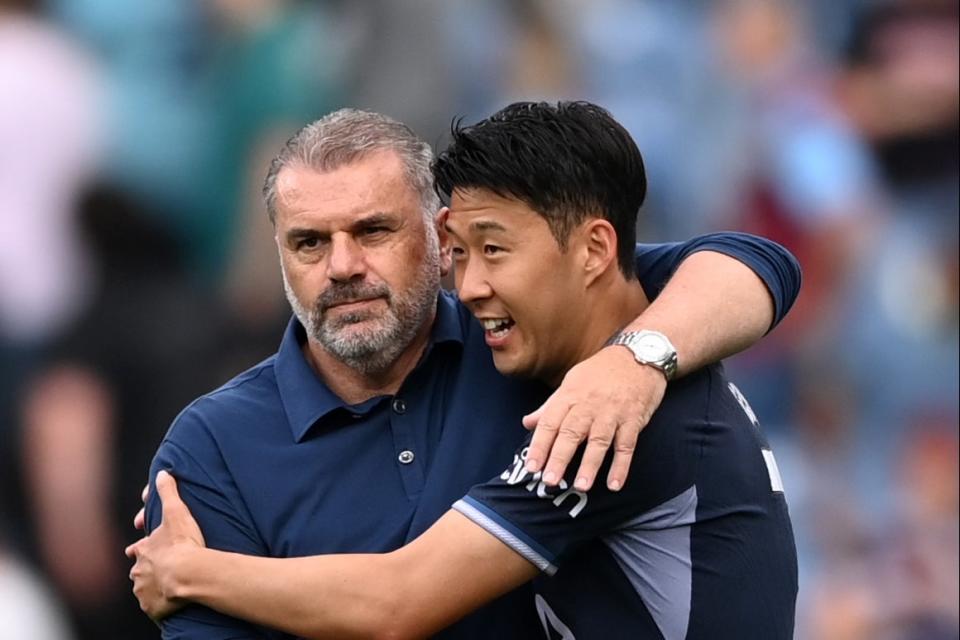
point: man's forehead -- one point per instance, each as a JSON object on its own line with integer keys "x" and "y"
{"x": 377, "y": 179}
{"x": 481, "y": 210}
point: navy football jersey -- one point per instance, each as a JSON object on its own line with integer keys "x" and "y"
{"x": 698, "y": 544}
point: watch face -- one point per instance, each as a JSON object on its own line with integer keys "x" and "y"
{"x": 651, "y": 348}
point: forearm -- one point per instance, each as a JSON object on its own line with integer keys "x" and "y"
{"x": 413, "y": 592}
{"x": 712, "y": 307}
{"x": 334, "y": 596}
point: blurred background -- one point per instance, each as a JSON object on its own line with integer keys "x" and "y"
{"x": 137, "y": 268}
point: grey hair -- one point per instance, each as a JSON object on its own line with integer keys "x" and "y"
{"x": 348, "y": 135}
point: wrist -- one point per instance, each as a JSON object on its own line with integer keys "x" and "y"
{"x": 186, "y": 572}
{"x": 650, "y": 348}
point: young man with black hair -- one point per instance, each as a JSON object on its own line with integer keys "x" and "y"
{"x": 698, "y": 544}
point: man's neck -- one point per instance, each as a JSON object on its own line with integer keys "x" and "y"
{"x": 612, "y": 304}
{"x": 353, "y": 386}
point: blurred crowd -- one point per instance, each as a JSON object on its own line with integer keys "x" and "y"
{"x": 137, "y": 268}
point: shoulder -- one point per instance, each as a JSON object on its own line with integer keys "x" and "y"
{"x": 240, "y": 400}
{"x": 689, "y": 397}
{"x": 702, "y": 404}
{"x": 704, "y": 409}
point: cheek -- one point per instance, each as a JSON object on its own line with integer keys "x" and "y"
{"x": 397, "y": 266}
{"x": 307, "y": 281}
{"x": 458, "y": 275}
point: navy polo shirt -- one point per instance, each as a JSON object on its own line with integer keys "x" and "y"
{"x": 274, "y": 464}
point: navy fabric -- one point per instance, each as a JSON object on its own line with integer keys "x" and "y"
{"x": 274, "y": 464}
{"x": 698, "y": 544}
{"x": 776, "y": 266}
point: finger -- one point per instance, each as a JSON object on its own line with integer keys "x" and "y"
{"x": 571, "y": 433}
{"x": 552, "y": 414}
{"x": 530, "y": 420}
{"x": 145, "y": 493}
{"x": 598, "y": 443}
{"x": 140, "y": 520}
{"x": 624, "y": 445}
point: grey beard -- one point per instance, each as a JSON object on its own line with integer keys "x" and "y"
{"x": 375, "y": 349}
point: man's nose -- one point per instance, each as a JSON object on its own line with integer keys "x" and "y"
{"x": 472, "y": 282}
{"x": 347, "y": 260}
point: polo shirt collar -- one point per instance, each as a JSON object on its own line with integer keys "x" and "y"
{"x": 306, "y": 397}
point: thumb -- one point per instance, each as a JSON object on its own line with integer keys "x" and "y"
{"x": 531, "y": 419}
{"x": 169, "y": 496}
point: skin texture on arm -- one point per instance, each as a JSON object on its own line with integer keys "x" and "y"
{"x": 450, "y": 570}
{"x": 712, "y": 307}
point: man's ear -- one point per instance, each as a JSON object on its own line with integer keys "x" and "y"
{"x": 446, "y": 248}
{"x": 600, "y": 248}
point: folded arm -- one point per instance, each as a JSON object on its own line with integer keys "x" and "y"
{"x": 450, "y": 570}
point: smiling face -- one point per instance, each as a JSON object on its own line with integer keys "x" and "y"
{"x": 512, "y": 274}
{"x": 361, "y": 266}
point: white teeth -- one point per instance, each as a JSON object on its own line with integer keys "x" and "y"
{"x": 499, "y": 327}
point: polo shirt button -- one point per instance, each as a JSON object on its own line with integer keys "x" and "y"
{"x": 399, "y": 405}
{"x": 405, "y": 457}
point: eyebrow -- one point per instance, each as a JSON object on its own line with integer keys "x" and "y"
{"x": 376, "y": 218}
{"x": 486, "y": 225}
{"x": 479, "y": 226}
{"x": 298, "y": 233}
{"x": 373, "y": 219}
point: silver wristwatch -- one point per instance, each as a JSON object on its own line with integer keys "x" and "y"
{"x": 650, "y": 347}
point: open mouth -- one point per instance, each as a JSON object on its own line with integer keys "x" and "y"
{"x": 497, "y": 327}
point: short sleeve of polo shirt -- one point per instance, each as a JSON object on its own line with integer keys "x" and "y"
{"x": 543, "y": 524}
{"x": 773, "y": 264}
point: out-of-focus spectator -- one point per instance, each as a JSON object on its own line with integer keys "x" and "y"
{"x": 650, "y": 63}
{"x": 155, "y": 56}
{"x": 903, "y": 90}
{"x": 900, "y": 583}
{"x": 93, "y": 415}
{"x": 50, "y": 124}
{"x": 808, "y": 181}
{"x": 902, "y": 87}
{"x": 194, "y": 87}
{"x": 274, "y": 67}
{"x": 395, "y": 61}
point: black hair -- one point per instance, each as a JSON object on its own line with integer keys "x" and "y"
{"x": 567, "y": 162}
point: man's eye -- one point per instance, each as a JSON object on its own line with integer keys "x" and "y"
{"x": 459, "y": 252}
{"x": 373, "y": 231}
{"x": 491, "y": 249}
{"x": 308, "y": 243}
